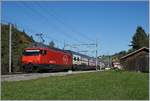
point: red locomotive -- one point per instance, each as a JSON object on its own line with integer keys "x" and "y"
{"x": 41, "y": 57}
{"x": 36, "y": 58}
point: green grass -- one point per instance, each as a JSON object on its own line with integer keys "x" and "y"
{"x": 109, "y": 85}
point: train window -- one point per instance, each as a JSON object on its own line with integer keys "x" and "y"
{"x": 31, "y": 52}
{"x": 74, "y": 59}
{"x": 78, "y": 59}
{"x": 43, "y": 52}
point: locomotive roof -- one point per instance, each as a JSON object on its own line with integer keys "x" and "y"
{"x": 40, "y": 45}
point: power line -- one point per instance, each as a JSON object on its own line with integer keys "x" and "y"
{"x": 44, "y": 18}
{"x": 29, "y": 30}
{"x": 68, "y": 26}
{"x": 18, "y": 26}
{"x": 91, "y": 44}
{"x": 47, "y": 20}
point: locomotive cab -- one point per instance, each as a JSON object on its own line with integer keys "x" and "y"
{"x": 31, "y": 58}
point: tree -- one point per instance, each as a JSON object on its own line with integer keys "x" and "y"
{"x": 130, "y": 50}
{"x": 17, "y": 48}
{"x": 140, "y": 39}
{"x": 52, "y": 44}
{"x": 31, "y": 37}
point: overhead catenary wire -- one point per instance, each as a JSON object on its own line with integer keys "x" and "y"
{"x": 45, "y": 18}
{"x": 20, "y": 27}
{"x": 32, "y": 32}
{"x": 68, "y": 26}
{"x": 33, "y": 11}
{"x": 58, "y": 18}
{"x": 29, "y": 31}
{"x": 31, "y": 8}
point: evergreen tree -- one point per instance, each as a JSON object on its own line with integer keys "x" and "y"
{"x": 140, "y": 39}
{"x": 31, "y": 37}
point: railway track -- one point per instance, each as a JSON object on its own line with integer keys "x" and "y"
{"x": 29, "y": 76}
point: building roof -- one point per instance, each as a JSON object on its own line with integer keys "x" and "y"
{"x": 135, "y": 52}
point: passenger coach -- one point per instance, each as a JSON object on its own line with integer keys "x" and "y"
{"x": 82, "y": 62}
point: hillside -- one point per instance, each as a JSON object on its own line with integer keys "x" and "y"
{"x": 20, "y": 40}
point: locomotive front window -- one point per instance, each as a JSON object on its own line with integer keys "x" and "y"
{"x": 31, "y": 52}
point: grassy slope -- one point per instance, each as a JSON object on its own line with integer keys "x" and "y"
{"x": 20, "y": 40}
{"x": 100, "y": 85}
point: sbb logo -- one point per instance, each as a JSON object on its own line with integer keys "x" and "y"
{"x": 65, "y": 59}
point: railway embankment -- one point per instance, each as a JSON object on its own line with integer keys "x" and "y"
{"x": 29, "y": 76}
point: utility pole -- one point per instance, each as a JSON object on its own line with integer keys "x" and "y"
{"x": 96, "y": 52}
{"x": 64, "y": 45}
{"x": 10, "y": 33}
{"x": 108, "y": 60}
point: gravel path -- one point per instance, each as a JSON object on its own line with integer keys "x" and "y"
{"x": 18, "y": 77}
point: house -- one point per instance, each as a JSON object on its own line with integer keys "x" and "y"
{"x": 136, "y": 61}
{"x": 116, "y": 64}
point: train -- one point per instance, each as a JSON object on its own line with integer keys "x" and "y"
{"x": 38, "y": 57}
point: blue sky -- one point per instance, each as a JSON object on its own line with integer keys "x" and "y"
{"x": 112, "y": 23}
